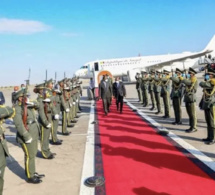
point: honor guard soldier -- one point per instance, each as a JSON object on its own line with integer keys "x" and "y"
{"x": 138, "y": 86}
{"x": 208, "y": 105}
{"x": 27, "y": 134}
{"x": 157, "y": 91}
{"x": 191, "y": 84}
{"x": 64, "y": 107}
{"x": 165, "y": 88}
{"x": 144, "y": 88}
{"x": 151, "y": 88}
{"x": 5, "y": 112}
{"x": 65, "y": 114}
{"x": 45, "y": 121}
{"x": 176, "y": 95}
{"x": 72, "y": 102}
{"x": 54, "y": 111}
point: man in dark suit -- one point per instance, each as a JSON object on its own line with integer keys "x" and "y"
{"x": 119, "y": 93}
{"x": 105, "y": 91}
{"x": 2, "y": 100}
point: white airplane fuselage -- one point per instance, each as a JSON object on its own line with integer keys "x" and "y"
{"x": 130, "y": 66}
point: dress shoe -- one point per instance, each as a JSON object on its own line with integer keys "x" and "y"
{"x": 106, "y": 113}
{"x": 79, "y": 112}
{"x": 57, "y": 143}
{"x": 158, "y": 112}
{"x": 73, "y": 121}
{"x": 174, "y": 123}
{"x": 152, "y": 108}
{"x": 71, "y": 125}
{"x": 67, "y": 133}
{"x": 51, "y": 156}
{"x": 191, "y": 130}
{"x": 34, "y": 180}
{"x": 166, "y": 116}
{"x": 77, "y": 116}
{"x": 179, "y": 123}
{"x": 205, "y": 139}
{"x": 38, "y": 175}
{"x": 210, "y": 142}
{"x": 120, "y": 111}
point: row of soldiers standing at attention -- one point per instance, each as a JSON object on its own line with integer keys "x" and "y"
{"x": 184, "y": 86}
{"x": 32, "y": 126}
{"x": 158, "y": 84}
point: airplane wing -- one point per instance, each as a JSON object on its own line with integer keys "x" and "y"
{"x": 180, "y": 59}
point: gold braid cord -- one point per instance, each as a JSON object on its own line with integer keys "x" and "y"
{"x": 213, "y": 90}
{"x": 193, "y": 80}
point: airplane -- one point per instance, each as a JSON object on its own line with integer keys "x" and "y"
{"x": 128, "y": 67}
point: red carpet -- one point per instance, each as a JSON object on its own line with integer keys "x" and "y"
{"x": 136, "y": 160}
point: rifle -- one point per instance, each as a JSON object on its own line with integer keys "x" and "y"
{"x": 185, "y": 72}
{"x": 24, "y": 102}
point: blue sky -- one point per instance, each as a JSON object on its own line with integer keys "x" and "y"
{"x": 62, "y": 35}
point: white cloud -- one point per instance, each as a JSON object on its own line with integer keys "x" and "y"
{"x": 18, "y": 26}
{"x": 70, "y": 34}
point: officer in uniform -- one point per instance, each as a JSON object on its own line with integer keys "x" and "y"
{"x": 54, "y": 112}
{"x": 27, "y": 134}
{"x": 176, "y": 95}
{"x": 138, "y": 86}
{"x": 151, "y": 88}
{"x": 45, "y": 120}
{"x": 144, "y": 88}
{"x": 64, "y": 106}
{"x": 157, "y": 91}
{"x": 191, "y": 84}
{"x": 165, "y": 88}
{"x": 5, "y": 112}
{"x": 208, "y": 105}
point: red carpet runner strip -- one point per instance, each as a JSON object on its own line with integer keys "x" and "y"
{"x": 136, "y": 160}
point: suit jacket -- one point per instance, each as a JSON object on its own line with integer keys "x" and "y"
{"x": 2, "y": 100}
{"x": 119, "y": 90}
{"x": 105, "y": 90}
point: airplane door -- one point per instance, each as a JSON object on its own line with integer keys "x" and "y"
{"x": 96, "y": 66}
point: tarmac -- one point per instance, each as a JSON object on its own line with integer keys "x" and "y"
{"x": 64, "y": 173}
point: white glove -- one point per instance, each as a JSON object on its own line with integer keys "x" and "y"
{"x": 67, "y": 110}
{"x": 49, "y": 125}
{"x": 28, "y": 141}
{"x": 56, "y": 116}
{"x": 77, "y": 101}
{"x": 73, "y": 103}
{"x": 70, "y": 104}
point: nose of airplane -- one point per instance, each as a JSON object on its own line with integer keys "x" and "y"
{"x": 77, "y": 73}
